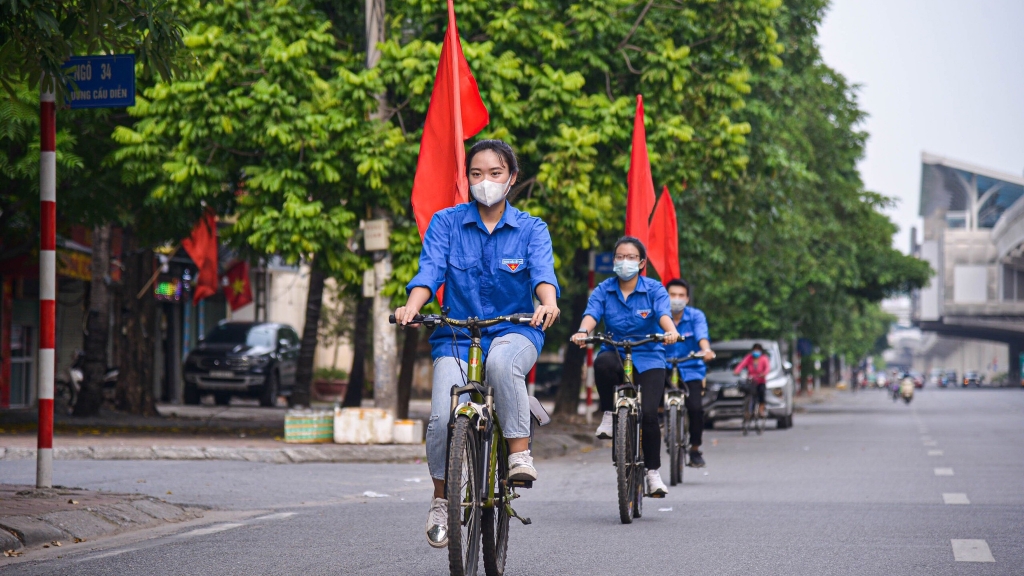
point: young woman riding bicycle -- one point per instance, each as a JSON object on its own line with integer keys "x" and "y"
{"x": 492, "y": 260}
{"x": 757, "y": 366}
{"x": 632, "y": 306}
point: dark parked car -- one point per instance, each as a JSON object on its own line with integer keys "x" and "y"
{"x": 723, "y": 398}
{"x": 255, "y": 359}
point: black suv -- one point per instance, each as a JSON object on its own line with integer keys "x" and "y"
{"x": 255, "y": 359}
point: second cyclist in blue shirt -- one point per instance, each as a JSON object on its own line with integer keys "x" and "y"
{"x": 632, "y": 306}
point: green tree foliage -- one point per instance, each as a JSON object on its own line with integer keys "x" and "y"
{"x": 38, "y": 36}
{"x": 796, "y": 245}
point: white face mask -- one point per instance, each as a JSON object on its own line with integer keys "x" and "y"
{"x": 489, "y": 192}
{"x": 678, "y": 304}
{"x": 626, "y": 269}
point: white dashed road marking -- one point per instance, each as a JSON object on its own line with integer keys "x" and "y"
{"x": 931, "y": 443}
{"x": 935, "y": 452}
{"x": 278, "y": 516}
{"x": 210, "y": 530}
{"x": 943, "y": 471}
{"x": 971, "y": 551}
{"x": 955, "y": 498}
{"x": 926, "y": 438}
{"x": 106, "y": 554}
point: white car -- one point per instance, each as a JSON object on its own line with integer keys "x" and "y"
{"x": 724, "y": 397}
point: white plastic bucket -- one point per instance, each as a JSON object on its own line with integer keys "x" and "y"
{"x": 408, "y": 431}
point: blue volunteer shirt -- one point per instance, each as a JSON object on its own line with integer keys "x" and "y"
{"x": 632, "y": 318}
{"x": 692, "y": 327}
{"x": 486, "y": 274}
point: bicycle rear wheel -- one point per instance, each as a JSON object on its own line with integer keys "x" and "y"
{"x": 496, "y": 518}
{"x": 463, "y": 492}
{"x": 761, "y": 419}
{"x": 625, "y": 454}
{"x": 674, "y": 439}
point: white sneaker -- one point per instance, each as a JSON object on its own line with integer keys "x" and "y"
{"x": 437, "y": 523}
{"x": 520, "y": 466}
{"x": 655, "y": 487}
{"x": 604, "y": 431}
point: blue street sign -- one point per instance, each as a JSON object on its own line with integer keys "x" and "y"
{"x": 101, "y": 81}
{"x": 604, "y": 263}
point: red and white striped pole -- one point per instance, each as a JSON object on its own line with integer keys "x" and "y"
{"x": 47, "y": 280}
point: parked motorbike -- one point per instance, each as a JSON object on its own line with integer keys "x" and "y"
{"x": 69, "y": 385}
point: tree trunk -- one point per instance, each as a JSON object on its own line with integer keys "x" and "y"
{"x": 138, "y": 331}
{"x": 304, "y": 370}
{"x": 357, "y": 375}
{"x": 567, "y": 402}
{"x": 409, "y": 346}
{"x": 90, "y": 398}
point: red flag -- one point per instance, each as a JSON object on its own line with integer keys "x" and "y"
{"x": 663, "y": 250}
{"x": 202, "y": 248}
{"x": 238, "y": 289}
{"x": 456, "y": 113}
{"x": 640, "y": 196}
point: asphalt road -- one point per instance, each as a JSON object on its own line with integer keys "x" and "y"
{"x": 856, "y": 487}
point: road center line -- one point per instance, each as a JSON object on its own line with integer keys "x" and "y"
{"x": 943, "y": 471}
{"x": 106, "y": 554}
{"x": 210, "y": 530}
{"x": 955, "y": 498}
{"x": 971, "y": 551}
{"x": 935, "y": 452}
{"x": 931, "y": 443}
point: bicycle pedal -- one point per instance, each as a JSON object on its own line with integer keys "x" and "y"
{"x": 521, "y": 483}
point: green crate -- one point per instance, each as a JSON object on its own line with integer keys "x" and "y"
{"x": 308, "y": 426}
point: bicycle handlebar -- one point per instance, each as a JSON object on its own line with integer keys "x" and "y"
{"x": 607, "y": 339}
{"x": 690, "y": 356}
{"x": 433, "y": 320}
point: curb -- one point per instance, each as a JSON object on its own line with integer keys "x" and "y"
{"x": 131, "y": 512}
{"x": 292, "y": 454}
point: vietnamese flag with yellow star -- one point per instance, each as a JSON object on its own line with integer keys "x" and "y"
{"x": 237, "y": 289}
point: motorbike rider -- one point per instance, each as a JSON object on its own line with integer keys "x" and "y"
{"x": 692, "y": 325}
{"x": 757, "y": 366}
{"x": 492, "y": 260}
{"x": 632, "y": 306}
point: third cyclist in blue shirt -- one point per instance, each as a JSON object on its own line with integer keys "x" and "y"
{"x": 692, "y": 326}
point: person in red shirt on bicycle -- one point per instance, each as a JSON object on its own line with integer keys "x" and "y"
{"x": 757, "y": 366}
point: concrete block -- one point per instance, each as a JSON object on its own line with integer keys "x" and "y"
{"x": 159, "y": 510}
{"x": 30, "y": 531}
{"x": 19, "y": 453}
{"x": 303, "y": 455}
{"x": 80, "y": 523}
{"x": 73, "y": 453}
{"x": 9, "y": 541}
{"x": 124, "y": 514}
{"x": 219, "y": 453}
{"x": 179, "y": 453}
{"x": 273, "y": 456}
{"x": 122, "y": 453}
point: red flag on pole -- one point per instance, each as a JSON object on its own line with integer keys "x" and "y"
{"x": 238, "y": 288}
{"x": 456, "y": 113}
{"x": 663, "y": 250}
{"x": 640, "y": 196}
{"x": 202, "y": 248}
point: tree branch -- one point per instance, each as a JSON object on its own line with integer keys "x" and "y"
{"x": 639, "y": 19}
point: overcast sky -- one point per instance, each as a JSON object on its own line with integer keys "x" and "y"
{"x": 943, "y": 76}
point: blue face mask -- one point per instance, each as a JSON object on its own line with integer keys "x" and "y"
{"x": 756, "y": 354}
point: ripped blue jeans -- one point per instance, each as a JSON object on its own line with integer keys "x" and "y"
{"x": 508, "y": 362}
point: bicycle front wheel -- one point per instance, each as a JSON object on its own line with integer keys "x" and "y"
{"x": 747, "y": 415}
{"x": 674, "y": 439}
{"x": 625, "y": 461}
{"x": 464, "y": 505}
{"x": 496, "y": 518}
{"x": 761, "y": 419}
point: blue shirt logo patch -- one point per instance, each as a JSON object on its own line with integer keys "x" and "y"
{"x": 512, "y": 264}
{"x": 644, "y": 313}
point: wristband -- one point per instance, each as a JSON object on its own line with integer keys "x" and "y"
{"x": 582, "y": 331}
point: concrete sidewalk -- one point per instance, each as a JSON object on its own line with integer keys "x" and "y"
{"x": 59, "y": 517}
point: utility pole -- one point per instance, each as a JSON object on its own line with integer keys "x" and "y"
{"x": 385, "y": 345}
{"x": 47, "y": 278}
